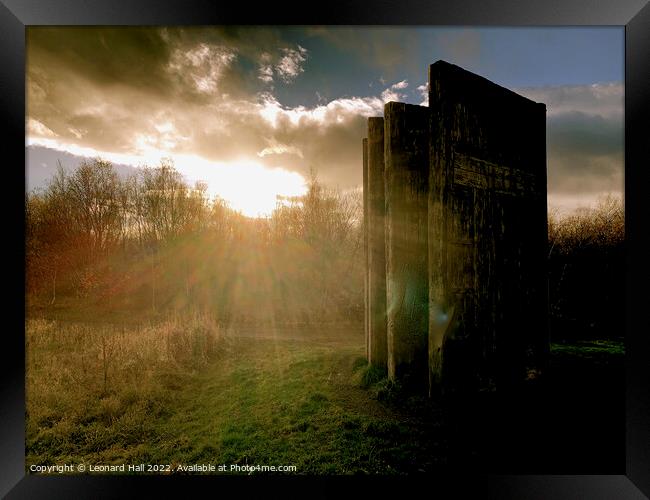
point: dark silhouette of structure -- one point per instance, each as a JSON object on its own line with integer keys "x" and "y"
{"x": 458, "y": 296}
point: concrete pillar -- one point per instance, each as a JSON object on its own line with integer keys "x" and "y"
{"x": 406, "y": 155}
{"x": 487, "y": 233}
{"x": 366, "y": 286}
{"x": 376, "y": 244}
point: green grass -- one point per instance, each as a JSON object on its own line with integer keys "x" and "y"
{"x": 279, "y": 402}
{"x": 266, "y": 401}
{"x": 183, "y": 392}
{"x": 590, "y": 348}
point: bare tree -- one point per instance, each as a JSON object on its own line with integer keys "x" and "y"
{"x": 93, "y": 191}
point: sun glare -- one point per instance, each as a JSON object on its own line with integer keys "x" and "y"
{"x": 247, "y": 186}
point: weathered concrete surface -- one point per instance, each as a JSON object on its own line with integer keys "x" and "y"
{"x": 406, "y": 155}
{"x": 487, "y": 233}
{"x": 378, "y": 354}
{"x": 366, "y": 288}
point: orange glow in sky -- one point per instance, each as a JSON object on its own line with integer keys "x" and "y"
{"x": 246, "y": 185}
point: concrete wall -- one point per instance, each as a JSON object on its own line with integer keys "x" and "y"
{"x": 487, "y": 232}
{"x": 366, "y": 289}
{"x": 406, "y": 155}
{"x": 465, "y": 232}
{"x": 376, "y": 244}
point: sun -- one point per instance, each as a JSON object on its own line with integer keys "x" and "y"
{"x": 249, "y": 187}
{"x": 246, "y": 185}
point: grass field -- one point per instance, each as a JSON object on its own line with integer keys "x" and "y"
{"x": 185, "y": 391}
{"x": 287, "y": 400}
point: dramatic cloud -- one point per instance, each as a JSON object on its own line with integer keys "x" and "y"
{"x": 276, "y": 148}
{"x": 287, "y": 65}
{"x": 290, "y": 65}
{"x": 265, "y": 68}
{"x": 202, "y": 65}
{"x": 424, "y": 92}
{"x": 236, "y": 95}
{"x": 37, "y": 129}
{"x": 392, "y": 93}
{"x": 598, "y": 99}
{"x": 337, "y": 112}
{"x": 584, "y": 140}
{"x": 205, "y": 108}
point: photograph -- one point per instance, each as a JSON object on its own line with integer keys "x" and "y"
{"x": 299, "y": 250}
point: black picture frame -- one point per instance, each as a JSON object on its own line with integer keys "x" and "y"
{"x": 634, "y": 15}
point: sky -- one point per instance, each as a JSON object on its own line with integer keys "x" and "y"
{"x": 252, "y": 110}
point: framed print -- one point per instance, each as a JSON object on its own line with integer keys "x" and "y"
{"x": 369, "y": 246}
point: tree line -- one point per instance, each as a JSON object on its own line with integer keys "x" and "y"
{"x": 586, "y": 270}
{"x": 153, "y": 242}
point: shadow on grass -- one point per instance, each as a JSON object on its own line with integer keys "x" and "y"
{"x": 570, "y": 422}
